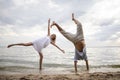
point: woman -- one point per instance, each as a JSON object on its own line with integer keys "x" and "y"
{"x": 41, "y": 43}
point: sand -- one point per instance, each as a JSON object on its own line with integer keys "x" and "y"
{"x": 82, "y": 76}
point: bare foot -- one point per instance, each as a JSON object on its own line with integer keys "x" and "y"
{"x": 72, "y": 16}
{"x": 9, "y": 46}
{"x": 53, "y": 23}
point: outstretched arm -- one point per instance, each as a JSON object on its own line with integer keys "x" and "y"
{"x": 57, "y": 47}
{"x": 75, "y": 20}
{"x": 49, "y": 27}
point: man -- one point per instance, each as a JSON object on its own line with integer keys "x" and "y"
{"x": 78, "y": 41}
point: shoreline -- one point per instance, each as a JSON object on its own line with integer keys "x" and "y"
{"x": 57, "y": 70}
{"x": 79, "y": 76}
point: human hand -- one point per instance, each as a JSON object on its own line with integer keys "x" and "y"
{"x": 49, "y": 20}
{"x": 63, "y": 51}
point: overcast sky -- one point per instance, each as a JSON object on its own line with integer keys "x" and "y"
{"x": 26, "y": 20}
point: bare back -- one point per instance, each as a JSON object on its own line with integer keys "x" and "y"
{"x": 79, "y": 45}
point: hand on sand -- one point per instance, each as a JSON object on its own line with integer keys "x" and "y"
{"x": 53, "y": 23}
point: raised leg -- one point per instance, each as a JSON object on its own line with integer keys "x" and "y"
{"x": 67, "y": 35}
{"x": 20, "y": 44}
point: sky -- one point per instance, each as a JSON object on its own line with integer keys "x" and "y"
{"x": 27, "y": 20}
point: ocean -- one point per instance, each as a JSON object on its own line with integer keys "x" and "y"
{"x": 17, "y": 60}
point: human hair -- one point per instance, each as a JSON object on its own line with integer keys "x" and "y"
{"x": 53, "y": 37}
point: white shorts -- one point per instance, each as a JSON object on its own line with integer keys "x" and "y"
{"x": 37, "y": 47}
{"x": 41, "y": 43}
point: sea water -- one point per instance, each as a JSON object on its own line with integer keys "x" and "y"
{"x": 26, "y": 60}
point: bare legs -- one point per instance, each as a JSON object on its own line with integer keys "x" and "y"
{"x": 20, "y": 44}
{"x": 40, "y": 61}
{"x": 29, "y": 44}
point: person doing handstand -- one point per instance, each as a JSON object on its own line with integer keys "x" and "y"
{"x": 78, "y": 41}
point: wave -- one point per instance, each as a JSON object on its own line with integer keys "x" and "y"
{"x": 56, "y": 65}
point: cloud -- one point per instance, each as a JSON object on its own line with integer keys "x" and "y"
{"x": 32, "y": 12}
{"x": 23, "y": 14}
{"x": 28, "y": 18}
{"x": 103, "y": 21}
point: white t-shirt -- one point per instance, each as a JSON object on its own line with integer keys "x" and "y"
{"x": 41, "y": 43}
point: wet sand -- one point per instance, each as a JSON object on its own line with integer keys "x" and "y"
{"x": 82, "y": 76}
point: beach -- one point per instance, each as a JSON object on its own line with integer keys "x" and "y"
{"x": 20, "y": 63}
{"x": 79, "y": 76}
